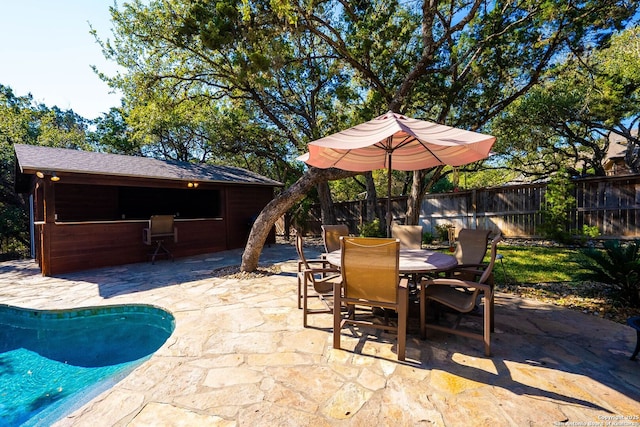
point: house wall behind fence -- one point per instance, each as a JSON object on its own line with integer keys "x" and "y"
{"x": 611, "y": 203}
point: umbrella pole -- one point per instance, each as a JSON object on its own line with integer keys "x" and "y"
{"x": 389, "y": 194}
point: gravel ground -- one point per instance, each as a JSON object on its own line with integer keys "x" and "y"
{"x": 586, "y": 297}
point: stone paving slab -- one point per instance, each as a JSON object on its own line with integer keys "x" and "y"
{"x": 239, "y": 356}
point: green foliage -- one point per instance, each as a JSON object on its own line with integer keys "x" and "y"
{"x": 371, "y": 229}
{"x": 617, "y": 267}
{"x": 442, "y": 186}
{"x": 22, "y": 121}
{"x": 14, "y": 237}
{"x": 427, "y": 238}
{"x": 300, "y": 214}
{"x": 587, "y": 234}
{"x": 470, "y": 177}
{"x": 590, "y": 231}
{"x": 301, "y": 70}
{"x": 561, "y": 122}
{"x": 559, "y": 202}
{"x": 442, "y": 231}
{"x": 484, "y": 177}
{"x": 348, "y": 189}
{"x": 111, "y": 134}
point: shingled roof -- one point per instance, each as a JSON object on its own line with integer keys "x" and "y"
{"x": 33, "y": 158}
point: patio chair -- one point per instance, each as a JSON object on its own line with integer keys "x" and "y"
{"x": 461, "y": 297}
{"x": 472, "y": 246}
{"x": 161, "y": 228}
{"x": 470, "y": 251}
{"x": 331, "y": 236}
{"x": 316, "y": 274}
{"x": 370, "y": 278}
{"x": 410, "y": 236}
{"x": 473, "y": 272}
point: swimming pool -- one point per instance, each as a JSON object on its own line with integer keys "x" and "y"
{"x": 52, "y": 362}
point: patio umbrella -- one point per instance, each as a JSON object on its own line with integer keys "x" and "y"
{"x": 394, "y": 141}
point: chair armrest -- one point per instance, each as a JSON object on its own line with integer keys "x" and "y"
{"x": 463, "y": 266}
{"x": 322, "y": 262}
{"x": 455, "y": 283}
{"x": 146, "y": 236}
{"x": 469, "y": 271}
{"x": 317, "y": 260}
{"x": 474, "y": 271}
{"x": 320, "y": 270}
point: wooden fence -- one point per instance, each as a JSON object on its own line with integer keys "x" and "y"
{"x": 610, "y": 203}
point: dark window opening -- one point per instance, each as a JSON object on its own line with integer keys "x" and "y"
{"x": 141, "y": 203}
{"x": 107, "y": 203}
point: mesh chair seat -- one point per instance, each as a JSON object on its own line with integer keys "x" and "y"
{"x": 331, "y": 236}
{"x": 410, "y": 236}
{"x": 461, "y": 296}
{"x": 370, "y": 278}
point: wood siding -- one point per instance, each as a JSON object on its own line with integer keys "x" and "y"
{"x": 79, "y": 227}
{"x": 243, "y": 204}
{"x": 80, "y": 246}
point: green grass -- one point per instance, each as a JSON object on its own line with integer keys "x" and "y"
{"x": 552, "y": 275}
{"x": 534, "y": 264}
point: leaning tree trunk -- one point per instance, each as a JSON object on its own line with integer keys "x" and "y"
{"x": 278, "y": 207}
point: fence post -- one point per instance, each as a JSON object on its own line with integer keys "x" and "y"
{"x": 474, "y": 207}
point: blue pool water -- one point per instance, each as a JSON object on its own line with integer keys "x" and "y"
{"x": 52, "y": 362}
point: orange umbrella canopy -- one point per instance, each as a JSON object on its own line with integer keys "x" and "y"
{"x": 411, "y": 144}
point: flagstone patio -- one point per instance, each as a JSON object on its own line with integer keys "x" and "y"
{"x": 239, "y": 356}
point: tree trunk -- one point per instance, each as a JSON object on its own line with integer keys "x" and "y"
{"x": 372, "y": 198}
{"x": 328, "y": 213}
{"x": 278, "y": 207}
{"x": 287, "y": 226}
{"x": 418, "y": 190}
{"x": 632, "y": 154}
{"x": 414, "y": 199}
